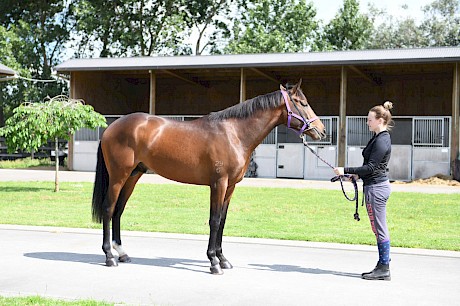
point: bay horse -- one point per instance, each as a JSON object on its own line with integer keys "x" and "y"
{"x": 213, "y": 150}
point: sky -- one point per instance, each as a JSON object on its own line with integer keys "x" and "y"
{"x": 326, "y": 9}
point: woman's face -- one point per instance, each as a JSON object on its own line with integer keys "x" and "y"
{"x": 373, "y": 122}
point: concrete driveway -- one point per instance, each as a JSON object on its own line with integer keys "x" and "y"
{"x": 172, "y": 269}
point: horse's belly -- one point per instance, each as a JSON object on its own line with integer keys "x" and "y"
{"x": 185, "y": 171}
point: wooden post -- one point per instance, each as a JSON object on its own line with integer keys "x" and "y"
{"x": 152, "y": 98}
{"x": 243, "y": 86}
{"x": 455, "y": 124}
{"x": 342, "y": 137}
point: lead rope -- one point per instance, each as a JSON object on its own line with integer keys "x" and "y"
{"x": 338, "y": 178}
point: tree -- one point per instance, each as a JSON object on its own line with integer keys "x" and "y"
{"x": 32, "y": 124}
{"x": 13, "y": 91}
{"x": 274, "y": 26}
{"x": 37, "y": 31}
{"x": 441, "y": 23}
{"x": 396, "y": 33}
{"x": 128, "y": 27}
{"x": 349, "y": 29}
{"x": 207, "y": 18}
{"x": 440, "y": 27}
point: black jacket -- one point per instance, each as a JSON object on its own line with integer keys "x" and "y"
{"x": 376, "y": 156}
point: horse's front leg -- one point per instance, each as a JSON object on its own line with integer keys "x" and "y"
{"x": 218, "y": 190}
{"x": 224, "y": 263}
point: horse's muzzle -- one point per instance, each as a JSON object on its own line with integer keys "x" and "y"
{"x": 315, "y": 133}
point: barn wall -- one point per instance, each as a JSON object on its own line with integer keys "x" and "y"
{"x": 113, "y": 94}
{"x": 428, "y": 93}
{"x": 176, "y": 97}
{"x": 419, "y": 90}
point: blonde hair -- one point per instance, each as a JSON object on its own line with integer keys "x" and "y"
{"x": 383, "y": 111}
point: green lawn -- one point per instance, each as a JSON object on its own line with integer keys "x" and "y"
{"x": 416, "y": 220}
{"x": 26, "y": 163}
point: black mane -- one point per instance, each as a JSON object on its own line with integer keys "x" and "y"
{"x": 248, "y": 107}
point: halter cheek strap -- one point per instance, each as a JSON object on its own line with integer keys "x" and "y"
{"x": 306, "y": 123}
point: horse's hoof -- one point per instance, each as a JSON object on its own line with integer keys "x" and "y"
{"x": 111, "y": 262}
{"x": 216, "y": 270}
{"x": 226, "y": 265}
{"x": 124, "y": 258}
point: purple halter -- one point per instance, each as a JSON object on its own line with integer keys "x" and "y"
{"x": 306, "y": 123}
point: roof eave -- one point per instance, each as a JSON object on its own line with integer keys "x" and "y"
{"x": 338, "y": 58}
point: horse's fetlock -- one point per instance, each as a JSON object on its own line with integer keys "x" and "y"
{"x": 106, "y": 247}
{"x": 211, "y": 254}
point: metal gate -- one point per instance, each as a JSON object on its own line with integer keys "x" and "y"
{"x": 85, "y": 143}
{"x": 327, "y": 149}
{"x": 358, "y": 135}
{"x": 431, "y": 146}
{"x": 265, "y": 155}
{"x": 289, "y": 154}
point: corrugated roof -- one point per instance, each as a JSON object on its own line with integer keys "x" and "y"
{"x": 422, "y": 55}
{"x": 4, "y": 70}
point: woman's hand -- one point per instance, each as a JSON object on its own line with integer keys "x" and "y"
{"x": 339, "y": 171}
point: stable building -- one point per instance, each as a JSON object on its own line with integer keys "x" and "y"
{"x": 423, "y": 84}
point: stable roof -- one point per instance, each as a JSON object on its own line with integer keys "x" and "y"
{"x": 355, "y": 57}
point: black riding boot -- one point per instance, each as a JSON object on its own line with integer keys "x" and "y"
{"x": 380, "y": 272}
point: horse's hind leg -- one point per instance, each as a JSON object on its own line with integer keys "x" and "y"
{"x": 115, "y": 186}
{"x": 125, "y": 193}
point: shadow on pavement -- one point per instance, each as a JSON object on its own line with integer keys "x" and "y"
{"x": 298, "y": 269}
{"x": 176, "y": 263}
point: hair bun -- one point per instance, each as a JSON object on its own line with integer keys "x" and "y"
{"x": 388, "y": 105}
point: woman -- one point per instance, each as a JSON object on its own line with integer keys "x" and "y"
{"x": 377, "y": 188}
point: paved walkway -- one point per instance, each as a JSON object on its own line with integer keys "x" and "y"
{"x": 78, "y": 176}
{"x": 172, "y": 269}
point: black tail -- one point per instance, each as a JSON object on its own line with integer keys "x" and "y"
{"x": 101, "y": 184}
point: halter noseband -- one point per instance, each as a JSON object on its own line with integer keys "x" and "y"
{"x": 306, "y": 123}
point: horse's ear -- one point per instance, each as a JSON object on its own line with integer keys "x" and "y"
{"x": 282, "y": 87}
{"x": 297, "y": 86}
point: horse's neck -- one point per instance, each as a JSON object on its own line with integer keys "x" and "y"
{"x": 253, "y": 130}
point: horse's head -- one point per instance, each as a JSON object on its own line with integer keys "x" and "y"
{"x": 300, "y": 116}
